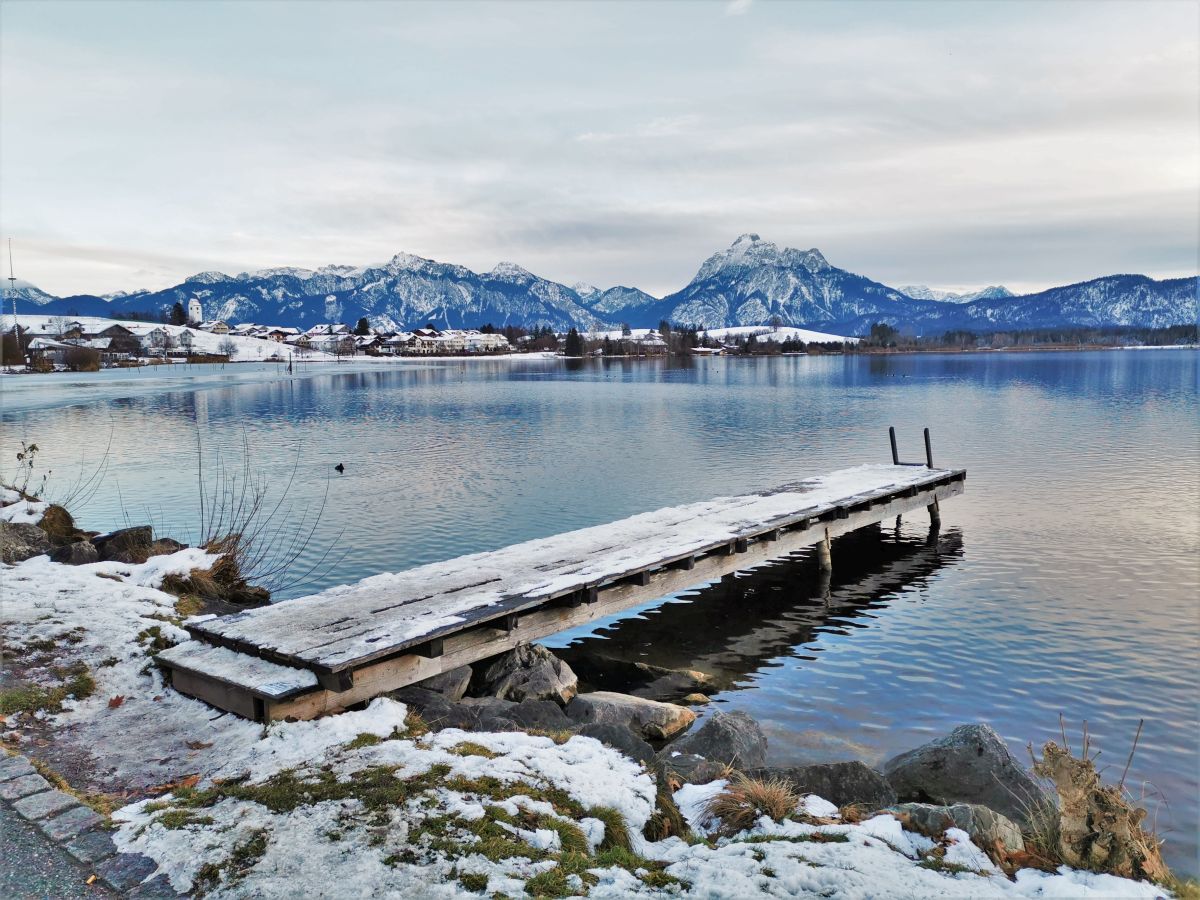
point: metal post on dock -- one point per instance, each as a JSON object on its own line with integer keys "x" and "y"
{"x": 895, "y": 451}
{"x": 935, "y": 512}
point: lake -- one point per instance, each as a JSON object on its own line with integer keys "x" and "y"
{"x": 1065, "y": 581}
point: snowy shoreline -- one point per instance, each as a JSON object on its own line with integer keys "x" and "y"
{"x": 371, "y": 803}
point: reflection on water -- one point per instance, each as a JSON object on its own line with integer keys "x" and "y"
{"x": 731, "y": 629}
{"x": 1066, "y": 579}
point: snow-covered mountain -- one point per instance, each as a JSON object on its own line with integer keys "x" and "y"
{"x": 921, "y": 292}
{"x": 752, "y": 282}
{"x": 406, "y": 291}
{"x": 755, "y": 282}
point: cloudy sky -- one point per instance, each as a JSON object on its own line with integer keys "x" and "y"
{"x": 950, "y": 144}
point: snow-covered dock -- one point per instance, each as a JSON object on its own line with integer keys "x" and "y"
{"x": 303, "y": 657}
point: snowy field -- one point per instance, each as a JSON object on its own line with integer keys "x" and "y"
{"x": 365, "y": 804}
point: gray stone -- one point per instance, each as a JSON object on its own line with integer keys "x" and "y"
{"x": 157, "y": 888}
{"x": 47, "y": 803}
{"x": 429, "y": 705}
{"x": 126, "y": 870}
{"x": 842, "y": 784}
{"x": 641, "y": 679}
{"x": 14, "y": 767}
{"x": 970, "y": 765}
{"x": 20, "y": 541}
{"x": 126, "y": 544}
{"x": 23, "y": 786}
{"x": 91, "y": 846}
{"x": 479, "y": 714}
{"x": 79, "y": 553}
{"x": 648, "y": 718}
{"x": 991, "y": 832}
{"x": 527, "y": 672}
{"x": 68, "y": 824}
{"x": 620, "y": 738}
{"x": 166, "y": 545}
{"x": 690, "y": 768}
{"x": 452, "y": 685}
{"x": 731, "y": 738}
{"x": 544, "y": 715}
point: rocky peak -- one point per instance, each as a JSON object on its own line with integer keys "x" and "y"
{"x": 510, "y": 270}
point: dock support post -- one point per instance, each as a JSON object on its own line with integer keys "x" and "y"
{"x": 935, "y": 514}
{"x": 824, "y": 556}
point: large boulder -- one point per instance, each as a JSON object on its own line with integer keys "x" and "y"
{"x": 652, "y": 720}
{"x": 972, "y": 764}
{"x": 527, "y": 672}
{"x": 20, "y": 541}
{"x": 538, "y": 715}
{"x": 731, "y": 738}
{"x": 991, "y": 832}
{"x": 621, "y": 739}
{"x": 58, "y": 525}
{"x": 843, "y": 784}
{"x": 128, "y": 545}
{"x": 452, "y": 684}
{"x": 79, "y": 553}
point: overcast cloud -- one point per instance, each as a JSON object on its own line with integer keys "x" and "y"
{"x": 955, "y": 145}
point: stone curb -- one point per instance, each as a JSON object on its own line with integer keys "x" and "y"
{"x": 77, "y": 829}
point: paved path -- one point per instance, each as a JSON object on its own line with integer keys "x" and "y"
{"x": 32, "y": 866}
{"x": 52, "y": 845}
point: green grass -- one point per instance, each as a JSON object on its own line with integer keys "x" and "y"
{"x": 181, "y": 818}
{"x": 473, "y": 882}
{"x": 242, "y": 858}
{"x": 76, "y": 681}
{"x": 365, "y": 739}
{"x": 376, "y": 787}
{"x": 616, "y": 832}
{"x": 470, "y": 748}
{"x": 816, "y": 837}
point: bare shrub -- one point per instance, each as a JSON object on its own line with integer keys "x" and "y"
{"x": 257, "y": 532}
{"x": 745, "y": 800}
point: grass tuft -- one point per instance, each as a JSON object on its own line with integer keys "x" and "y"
{"x": 470, "y": 748}
{"x": 745, "y": 800}
{"x": 616, "y": 832}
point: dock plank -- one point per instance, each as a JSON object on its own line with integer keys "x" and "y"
{"x": 350, "y": 626}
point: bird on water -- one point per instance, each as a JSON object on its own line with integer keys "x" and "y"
{"x": 340, "y": 468}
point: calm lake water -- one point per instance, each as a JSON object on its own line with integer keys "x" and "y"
{"x": 1066, "y": 580}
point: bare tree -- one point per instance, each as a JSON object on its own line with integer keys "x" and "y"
{"x": 227, "y": 347}
{"x": 59, "y": 325}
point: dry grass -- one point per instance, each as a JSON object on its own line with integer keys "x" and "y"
{"x": 745, "y": 800}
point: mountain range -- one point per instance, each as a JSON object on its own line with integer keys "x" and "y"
{"x": 752, "y": 282}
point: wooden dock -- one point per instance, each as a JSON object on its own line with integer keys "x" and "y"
{"x": 304, "y": 657}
